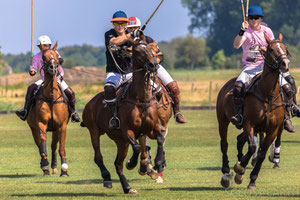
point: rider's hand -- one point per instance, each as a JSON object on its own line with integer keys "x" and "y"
{"x": 137, "y": 33}
{"x": 31, "y": 71}
{"x": 244, "y": 27}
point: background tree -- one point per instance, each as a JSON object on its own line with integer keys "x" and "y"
{"x": 218, "y": 61}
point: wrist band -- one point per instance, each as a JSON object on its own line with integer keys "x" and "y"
{"x": 241, "y": 33}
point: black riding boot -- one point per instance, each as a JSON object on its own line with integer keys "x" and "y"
{"x": 71, "y": 96}
{"x": 23, "y": 113}
{"x": 289, "y": 103}
{"x": 110, "y": 100}
{"x": 238, "y": 98}
{"x": 294, "y": 109}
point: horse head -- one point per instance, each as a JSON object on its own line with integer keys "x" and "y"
{"x": 50, "y": 60}
{"x": 277, "y": 55}
{"x": 143, "y": 53}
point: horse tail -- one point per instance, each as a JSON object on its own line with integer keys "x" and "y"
{"x": 82, "y": 124}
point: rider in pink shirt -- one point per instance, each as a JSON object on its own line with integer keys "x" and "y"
{"x": 252, "y": 39}
{"x": 37, "y": 66}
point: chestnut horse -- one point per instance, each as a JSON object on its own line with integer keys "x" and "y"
{"x": 50, "y": 113}
{"x": 263, "y": 112}
{"x": 137, "y": 112}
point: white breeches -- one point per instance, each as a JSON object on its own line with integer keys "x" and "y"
{"x": 163, "y": 75}
{"x": 250, "y": 71}
{"x": 62, "y": 84}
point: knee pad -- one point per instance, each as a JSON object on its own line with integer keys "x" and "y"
{"x": 109, "y": 92}
{"x": 291, "y": 81}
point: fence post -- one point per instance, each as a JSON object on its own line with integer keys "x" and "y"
{"x": 209, "y": 96}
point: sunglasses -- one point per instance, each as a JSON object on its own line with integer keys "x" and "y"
{"x": 256, "y": 17}
{"x": 120, "y": 24}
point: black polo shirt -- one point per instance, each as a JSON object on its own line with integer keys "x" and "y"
{"x": 125, "y": 63}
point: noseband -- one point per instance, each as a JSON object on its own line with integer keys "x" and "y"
{"x": 52, "y": 66}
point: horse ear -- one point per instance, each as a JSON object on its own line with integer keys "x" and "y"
{"x": 280, "y": 37}
{"x": 267, "y": 39}
{"x": 55, "y": 46}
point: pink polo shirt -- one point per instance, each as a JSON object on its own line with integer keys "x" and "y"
{"x": 37, "y": 63}
{"x": 252, "y": 41}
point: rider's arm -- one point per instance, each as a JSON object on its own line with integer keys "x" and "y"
{"x": 34, "y": 67}
{"x": 239, "y": 39}
{"x": 120, "y": 39}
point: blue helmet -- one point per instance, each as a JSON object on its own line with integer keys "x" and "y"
{"x": 119, "y": 16}
{"x": 255, "y": 10}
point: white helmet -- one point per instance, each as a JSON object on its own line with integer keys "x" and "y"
{"x": 134, "y": 22}
{"x": 44, "y": 39}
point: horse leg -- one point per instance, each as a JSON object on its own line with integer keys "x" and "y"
{"x": 270, "y": 136}
{"x": 54, "y": 154}
{"x": 136, "y": 148}
{"x": 43, "y": 149}
{"x": 159, "y": 158}
{"x": 275, "y": 151}
{"x": 241, "y": 140}
{"x": 223, "y": 129}
{"x": 121, "y": 155}
{"x": 240, "y": 166}
{"x": 62, "y": 152}
{"x": 254, "y": 156}
{"x": 144, "y": 155}
{"x": 98, "y": 159}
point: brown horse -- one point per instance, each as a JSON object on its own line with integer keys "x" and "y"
{"x": 138, "y": 115}
{"x": 263, "y": 112}
{"x": 50, "y": 113}
{"x": 164, "y": 113}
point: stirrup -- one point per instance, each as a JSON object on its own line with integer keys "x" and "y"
{"x": 239, "y": 121}
{"x": 75, "y": 117}
{"x": 295, "y": 111}
{"x": 114, "y": 123}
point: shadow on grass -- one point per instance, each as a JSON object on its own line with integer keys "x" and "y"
{"x": 191, "y": 189}
{"x": 291, "y": 142}
{"x": 209, "y": 168}
{"x": 64, "y": 195}
{"x": 17, "y": 175}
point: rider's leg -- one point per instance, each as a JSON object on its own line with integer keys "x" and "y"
{"x": 287, "y": 89}
{"x": 71, "y": 96}
{"x": 110, "y": 100}
{"x": 290, "y": 80}
{"x": 23, "y": 113}
{"x": 172, "y": 86}
{"x": 238, "y": 97}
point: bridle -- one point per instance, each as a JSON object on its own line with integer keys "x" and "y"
{"x": 51, "y": 64}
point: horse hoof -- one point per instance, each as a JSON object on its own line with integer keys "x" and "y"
{"x": 107, "y": 184}
{"x": 132, "y": 191}
{"x": 253, "y": 162}
{"x": 64, "y": 174}
{"x": 153, "y": 174}
{"x": 128, "y": 167}
{"x": 225, "y": 181}
{"x": 238, "y": 179}
{"x": 159, "y": 179}
{"x": 238, "y": 168}
{"x": 46, "y": 172}
{"x": 54, "y": 171}
{"x": 142, "y": 173}
{"x": 276, "y": 165}
{"x": 251, "y": 186}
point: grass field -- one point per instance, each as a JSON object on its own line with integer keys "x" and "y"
{"x": 193, "y": 165}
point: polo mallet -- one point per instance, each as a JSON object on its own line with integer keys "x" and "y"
{"x": 144, "y": 26}
{"x": 243, "y": 8}
{"x": 31, "y": 32}
{"x": 247, "y": 7}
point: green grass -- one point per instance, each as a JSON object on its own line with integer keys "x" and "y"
{"x": 193, "y": 165}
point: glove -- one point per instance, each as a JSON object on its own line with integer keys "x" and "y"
{"x": 60, "y": 60}
{"x": 244, "y": 27}
{"x": 137, "y": 33}
{"x": 31, "y": 71}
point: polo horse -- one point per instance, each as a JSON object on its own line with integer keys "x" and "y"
{"x": 50, "y": 113}
{"x": 138, "y": 114}
{"x": 263, "y": 112}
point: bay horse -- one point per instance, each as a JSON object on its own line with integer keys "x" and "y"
{"x": 263, "y": 112}
{"x": 50, "y": 113}
{"x": 137, "y": 112}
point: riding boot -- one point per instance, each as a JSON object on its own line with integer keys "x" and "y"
{"x": 289, "y": 103}
{"x": 72, "y": 100}
{"x": 110, "y": 100}
{"x": 238, "y": 98}
{"x": 294, "y": 110}
{"x": 23, "y": 113}
{"x": 175, "y": 95}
